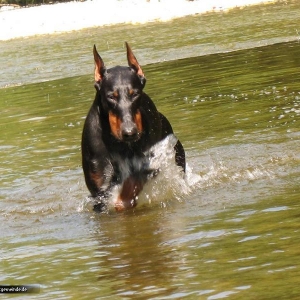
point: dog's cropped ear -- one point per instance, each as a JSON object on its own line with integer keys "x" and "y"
{"x": 133, "y": 63}
{"x": 99, "y": 69}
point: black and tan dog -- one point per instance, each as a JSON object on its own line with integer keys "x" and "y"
{"x": 121, "y": 126}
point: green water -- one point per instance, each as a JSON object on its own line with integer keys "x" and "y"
{"x": 234, "y": 235}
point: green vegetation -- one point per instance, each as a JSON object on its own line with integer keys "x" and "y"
{"x": 29, "y": 2}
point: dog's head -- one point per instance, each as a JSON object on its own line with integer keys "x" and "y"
{"x": 121, "y": 89}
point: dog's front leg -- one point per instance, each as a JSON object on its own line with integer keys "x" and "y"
{"x": 131, "y": 187}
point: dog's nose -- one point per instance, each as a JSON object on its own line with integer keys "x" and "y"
{"x": 129, "y": 133}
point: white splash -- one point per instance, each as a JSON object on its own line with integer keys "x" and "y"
{"x": 169, "y": 184}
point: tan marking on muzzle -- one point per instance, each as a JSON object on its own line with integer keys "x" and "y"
{"x": 115, "y": 125}
{"x": 115, "y": 94}
{"x": 138, "y": 121}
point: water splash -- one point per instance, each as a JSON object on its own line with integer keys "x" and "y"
{"x": 170, "y": 183}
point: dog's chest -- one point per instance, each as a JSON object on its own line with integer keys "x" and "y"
{"x": 123, "y": 167}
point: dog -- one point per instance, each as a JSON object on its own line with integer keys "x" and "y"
{"x": 121, "y": 126}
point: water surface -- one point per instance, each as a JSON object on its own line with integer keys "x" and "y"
{"x": 235, "y": 234}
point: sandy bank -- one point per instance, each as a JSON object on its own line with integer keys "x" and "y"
{"x": 64, "y": 17}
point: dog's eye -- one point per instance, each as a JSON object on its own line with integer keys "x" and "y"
{"x": 112, "y": 100}
{"x": 134, "y": 95}
{"x": 111, "y": 97}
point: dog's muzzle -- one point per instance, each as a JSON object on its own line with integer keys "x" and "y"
{"x": 129, "y": 130}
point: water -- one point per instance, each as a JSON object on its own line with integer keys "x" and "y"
{"x": 233, "y": 233}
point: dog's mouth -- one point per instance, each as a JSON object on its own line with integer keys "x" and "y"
{"x": 131, "y": 138}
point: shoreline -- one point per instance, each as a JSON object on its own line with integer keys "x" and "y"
{"x": 73, "y": 16}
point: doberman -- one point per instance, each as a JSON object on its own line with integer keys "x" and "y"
{"x": 121, "y": 126}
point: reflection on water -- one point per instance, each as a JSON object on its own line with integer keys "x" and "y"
{"x": 234, "y": 233}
